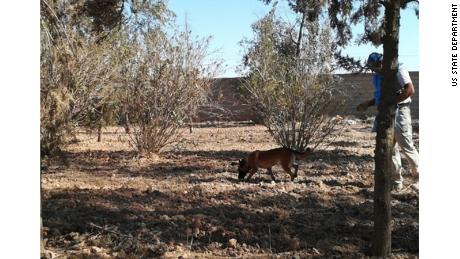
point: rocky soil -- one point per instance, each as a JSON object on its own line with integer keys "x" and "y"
{"x": 103, "y": 201}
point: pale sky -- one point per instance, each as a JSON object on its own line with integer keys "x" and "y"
{"x": 229, "y": 21}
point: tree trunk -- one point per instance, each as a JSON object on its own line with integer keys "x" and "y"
{"x": 385, "y": 134}
{"x": 42, "y": 241}
{"x": 126, "y": 123}
{"x": 299, "y": 37}
{"x": 99, "y": 132}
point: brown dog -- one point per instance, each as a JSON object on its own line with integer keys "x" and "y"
{"x": 267, "y": 159}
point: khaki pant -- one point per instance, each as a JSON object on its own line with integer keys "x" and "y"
{"x": 403, "y": 141}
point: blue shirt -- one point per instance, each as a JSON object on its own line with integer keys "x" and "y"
{"x": 377, "y": 82}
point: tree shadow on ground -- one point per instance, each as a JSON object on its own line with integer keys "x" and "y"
{"x": 223, "y": 124}
{"x": 194, "y": 161}
{"x": 123, "y": 163}
{"x": 276, "y": 221}
{"x": 167, "y": 170}
{"x": 98, "y": 158}
{"x": 346, "y": 144}
{"x": 326, "y": 157}
{"x": 335, "y": 157}
{"x": 260, "y": 218}
{"x": 223, "y": 155}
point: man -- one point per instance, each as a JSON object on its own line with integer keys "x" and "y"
{"x": 403, "y": 123}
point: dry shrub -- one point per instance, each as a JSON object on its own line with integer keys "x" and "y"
{"x": 293, "y": 90}
{"x": 94, "y": 63}
{"x": 75, "y": 70}
{"x": 74, "y": 78}
{"x": 167, "y": 79}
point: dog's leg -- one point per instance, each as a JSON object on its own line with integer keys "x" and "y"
{"x": 293, "y": 176}
{"x": 287, "y": 168}
{"x": 296, "y": 168}
{"x": 251, "y": 173}
{"x": 269, "y": 170}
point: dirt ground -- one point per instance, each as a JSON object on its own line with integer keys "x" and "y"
{"x": 103, "y": 201}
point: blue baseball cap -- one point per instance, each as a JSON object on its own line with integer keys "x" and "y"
{"x": 373, "y": 57}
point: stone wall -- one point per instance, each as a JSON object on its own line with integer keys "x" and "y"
{"x": 226, "y": 93}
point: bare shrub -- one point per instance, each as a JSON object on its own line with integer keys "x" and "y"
{"x": 97, "y": 60}
{"x": 75, "y": 74}
{"x": 166, "y": 81}
{"x": 291, "y": 85}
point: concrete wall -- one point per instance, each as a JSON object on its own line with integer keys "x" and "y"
{"x": 225, "y": 92}
{"x": 361, "y": 89}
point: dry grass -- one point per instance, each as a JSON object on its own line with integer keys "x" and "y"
{"x": 103, "y": 201}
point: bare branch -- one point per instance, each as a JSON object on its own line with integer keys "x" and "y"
{"x": 291, "y": 91}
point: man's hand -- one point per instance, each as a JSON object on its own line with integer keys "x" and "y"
{"x": 362, "y": 107}
{"x": 407, "y": 91}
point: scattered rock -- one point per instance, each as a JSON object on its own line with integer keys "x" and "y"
{"x": 85, "y": 251}
{"x": 232, "y": 243}
{"x": 178, "y": 217}
{"x": 332, "y": 199}
{"x": 165, "y": 218}
{"x": 47, "y": 254}
{"x": 350, "y": 122}
{"x": 96, "y": 250}
{"x": 316, "y": 251}
{"x": 215, "y": 245}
